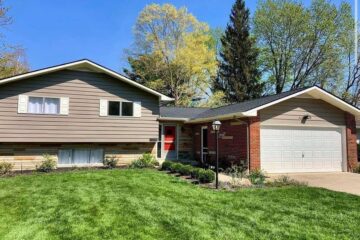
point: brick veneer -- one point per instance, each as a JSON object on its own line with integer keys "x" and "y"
{"x": 25, "y": 156}
{"x": 351, "y": 145}
{"x": 232, "y": 141}
{"x": 254, "y": 142}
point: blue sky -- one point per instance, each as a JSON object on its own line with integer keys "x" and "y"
{"x": 54, "y": 32}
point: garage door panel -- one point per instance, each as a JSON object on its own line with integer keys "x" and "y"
{"x": 289, "y": 149}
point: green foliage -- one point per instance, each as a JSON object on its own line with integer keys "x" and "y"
{"x": 239, "y": 74}
{"x": 175, "y": 168}
{"x": 47, "y": 165}
{"x": 174, "y": 53}
{"x": 284, "y": 181}
{"x": 256, "y": 177}
{"x": 110, "y": 161}
{"x": 12, "y": 58}
{"x": 195, "y": 172}
{"x": 357, "y": 169}
{"x": 6, "y": 168}
{"x": 206, "y": 176}
{"x": 185, "y": 170}
{"x": 147, "y": 160}
{"x": 166, "y": 165}
{"x": 304, "y": 45}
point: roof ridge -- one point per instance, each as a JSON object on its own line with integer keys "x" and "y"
{"x": 264, "y": 96}
{"x": 187, "y": 107}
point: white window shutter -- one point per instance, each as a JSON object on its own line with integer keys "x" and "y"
{"x": 23, "y": 103}
{"x": 64, "y": 106}
{"x": 137, "y": 109}
{"x": 103, "y": 107}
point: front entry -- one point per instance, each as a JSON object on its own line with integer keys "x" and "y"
{"x": 170, "y": 142}
{"x": 204, "y": 144}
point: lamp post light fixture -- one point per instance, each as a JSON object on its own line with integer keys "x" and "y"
{"x": 216, "y": 127}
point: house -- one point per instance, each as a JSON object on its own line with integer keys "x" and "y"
{"x": 304, "y": 130}
{"x": 81, "y": 112}
{"x": 77, "y": 112}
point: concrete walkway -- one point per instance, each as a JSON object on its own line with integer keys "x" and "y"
{"x": 341, "y": 182}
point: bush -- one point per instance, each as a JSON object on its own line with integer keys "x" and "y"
{"x": 357, "y": 169}
{"x": 284, "y": 181}
{"x": 166, "y": 166}
{"x": 5, "y": 168}
{"x": 110, "y": 161}
{"x": 206, "y": 176}
{"x": 47, "y": 165}
{"x": 256, "y": 177}
{"x": 175, "y": 168}
{"x": 195, "y": 172}
{"x": 185, "y": 170}
{"x": 147, "y": 160}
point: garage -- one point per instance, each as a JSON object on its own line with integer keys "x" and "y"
{"x": 301, "y": 149}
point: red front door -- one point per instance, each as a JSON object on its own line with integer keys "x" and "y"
{"x": 169, "y": 138}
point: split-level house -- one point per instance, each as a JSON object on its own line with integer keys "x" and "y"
{"x": 81, "y": 112}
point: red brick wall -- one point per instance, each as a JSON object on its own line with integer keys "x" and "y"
{"x": 254, "y": 143}
{"x": 232, "y": 142}
{"x": 351, "y": 137}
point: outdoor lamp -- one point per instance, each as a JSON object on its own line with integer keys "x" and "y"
{"x": 216, "y": 127}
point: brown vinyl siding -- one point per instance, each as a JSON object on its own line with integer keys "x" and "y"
{"x": 290, "y": 112}
{"x": 83, "y": 124}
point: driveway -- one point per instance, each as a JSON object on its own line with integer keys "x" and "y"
{"x": 341, "y": 182}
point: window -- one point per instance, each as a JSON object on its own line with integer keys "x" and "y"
{"x": 44, "y": 105}
{"x": 114, "y": 108}
{"x": 81, "y": 156}
{"x": 125, "y": 109}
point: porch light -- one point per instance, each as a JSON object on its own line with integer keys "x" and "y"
{"x": 216, "y": 125}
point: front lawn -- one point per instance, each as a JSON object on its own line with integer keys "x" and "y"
{"x": 147, "y": 204}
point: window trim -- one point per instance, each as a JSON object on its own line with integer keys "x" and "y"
{"x": 120, "y": 109}
{"x": 43, "y": 105}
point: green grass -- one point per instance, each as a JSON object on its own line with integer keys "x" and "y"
{"x": 147, "y": 204}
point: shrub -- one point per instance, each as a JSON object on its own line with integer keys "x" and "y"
{"x": 110, "y": 161}
{"x": 47, "y": 165}
{"x": 283, "y": 181}
{"x": 5, "y": 168}
{"x": 256, "y": 177}
{"x": 357, "y": 169}
{"x": 195, "y": 172}
{"x": 206, "y": 176}
{"x": 175, "y": 168}
{"x": 166, "y": 166}
{"x": 147, "y": 160}
{"x": 185, "y": 170}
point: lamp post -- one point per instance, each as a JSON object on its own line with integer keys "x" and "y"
{"x": 216, "y": 127}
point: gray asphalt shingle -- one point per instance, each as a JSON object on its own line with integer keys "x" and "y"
{"x": 193, "y": 113}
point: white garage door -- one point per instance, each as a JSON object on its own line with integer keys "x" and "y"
{"x": 300, "y": 149}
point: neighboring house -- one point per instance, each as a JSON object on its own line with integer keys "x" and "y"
{"x": 81, "y": 112}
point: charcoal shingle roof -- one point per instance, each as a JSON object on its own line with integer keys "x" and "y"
{"x": 194, "y": 113}
{"x": 181, "y": 112}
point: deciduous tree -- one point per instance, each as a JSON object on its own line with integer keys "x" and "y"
{"x": 173, "y": 53}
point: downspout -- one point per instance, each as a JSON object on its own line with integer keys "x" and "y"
{"x": 248, "y": 146}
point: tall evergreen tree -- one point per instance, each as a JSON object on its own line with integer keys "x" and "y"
{"x": 238, "y": 76}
